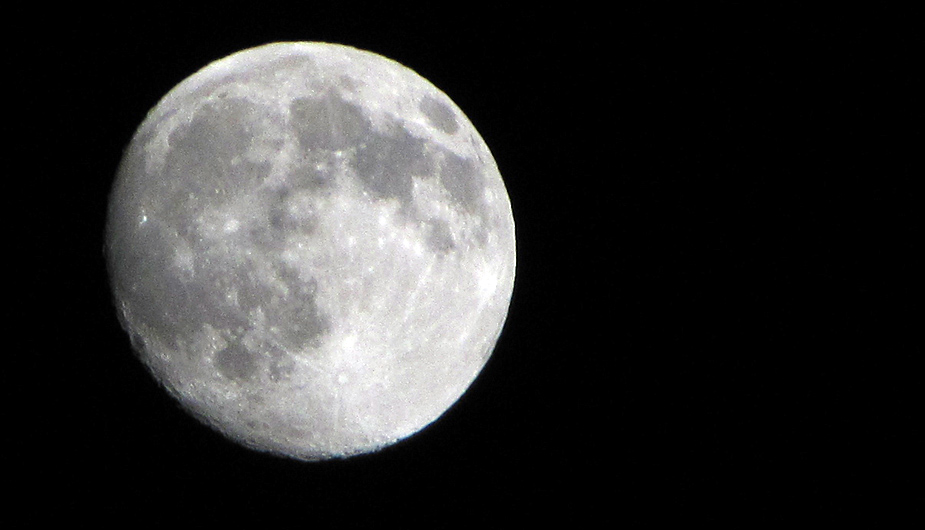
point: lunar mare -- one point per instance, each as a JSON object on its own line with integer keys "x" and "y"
{"x": 311, "y": 248}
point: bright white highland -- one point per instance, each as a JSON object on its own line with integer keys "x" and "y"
{"x": 311, "y": 248}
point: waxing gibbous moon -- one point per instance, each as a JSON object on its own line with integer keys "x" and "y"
{"x": 311, "y": 249}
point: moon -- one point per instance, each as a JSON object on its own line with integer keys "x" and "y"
{"x": 311, "y": 248}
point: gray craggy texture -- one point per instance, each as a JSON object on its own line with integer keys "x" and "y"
{"x": 311, "y": 248}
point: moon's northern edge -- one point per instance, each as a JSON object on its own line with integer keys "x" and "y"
{"x": 311, "y": 248}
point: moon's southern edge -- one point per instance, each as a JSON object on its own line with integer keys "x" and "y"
{"x": 311, "y": 248}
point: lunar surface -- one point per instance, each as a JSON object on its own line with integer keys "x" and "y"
{"x": 311, "y": 249}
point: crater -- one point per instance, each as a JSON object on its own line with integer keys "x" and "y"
{"x": 235, "y": 362}
{"x": 347, "y": 83}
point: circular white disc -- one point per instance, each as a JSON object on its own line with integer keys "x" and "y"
{"x": 311, "y": 248}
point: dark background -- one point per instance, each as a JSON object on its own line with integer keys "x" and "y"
{"x": 713, "y": 310}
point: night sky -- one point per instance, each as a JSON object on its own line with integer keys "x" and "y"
{"x": 713, "y": 309}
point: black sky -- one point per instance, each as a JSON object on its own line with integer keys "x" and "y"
{"x": 712, "y": 311}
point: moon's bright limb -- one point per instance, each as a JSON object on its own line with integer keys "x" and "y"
{"x": 311, "y": 248}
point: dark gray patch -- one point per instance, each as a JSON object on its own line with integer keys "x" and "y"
{"x": 157, "y": 296}
{"x": 328, "y": 122}
{"x": 303, "y": 324}
{"x": 439, "y": 115}
{"x": 386, "y": 164}
{"x": 265, "y": 232}
{"x": 235, "y": 362}
{"x": 288, "y": 215}
{"x": 347, "y": 83}
{"x": 280, "y": 217}
{"x": 284, "y": 222}
{"x": 206, "y": 157}
{"x": 439, "y": 238}
{"x": 222, "y": 295}
{"x": 248, "y": 292}
{"x": 461, "y": 179}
